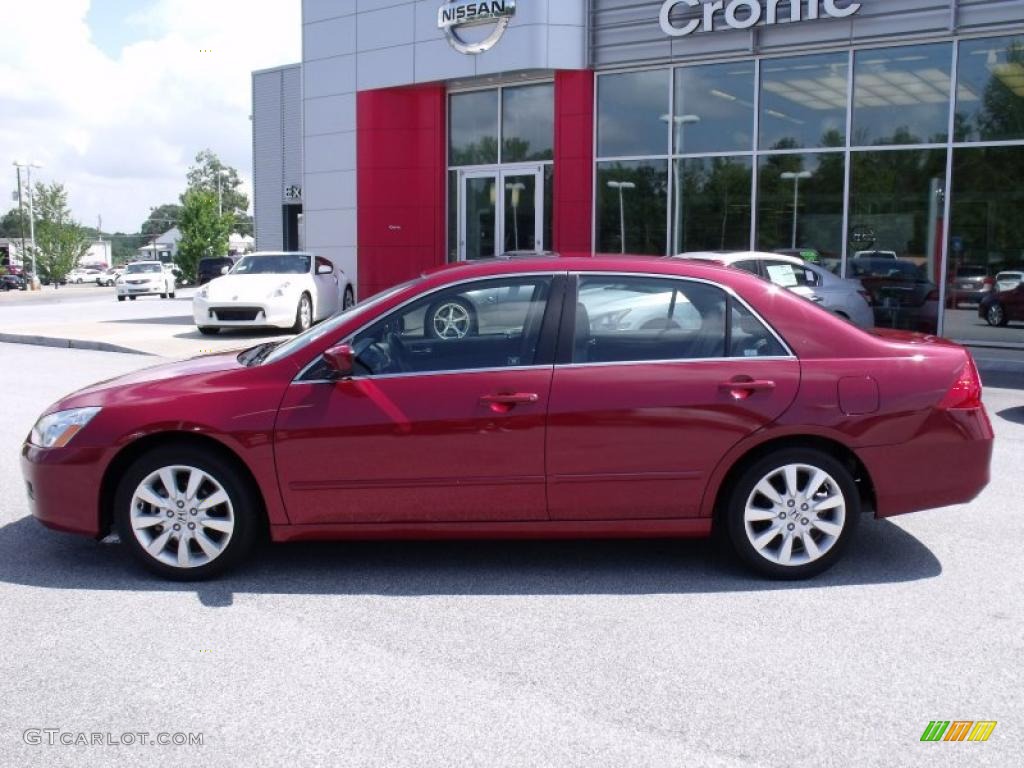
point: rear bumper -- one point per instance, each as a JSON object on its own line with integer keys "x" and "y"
{"x": 63, "y": 487}
{"x": 948, "y": 462}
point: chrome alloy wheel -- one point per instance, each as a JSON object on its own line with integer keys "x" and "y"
{"x": 182, "y": 516}
{"x": 995, "y": 315}
{"x": 451, "y": 321}
{"x": 795, "y": 515}
{"x": 305, "y": 313}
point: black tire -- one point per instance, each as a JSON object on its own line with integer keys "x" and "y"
{"x": 172, "y": 294}
{"x": 996, "y": 316}
{"x": 431, "y": 325}
{"x": 349, "y": 299}
{"x": 133, "y": 298}
{"x": 244, "y": 501}
{"x": 163, "y": 295}
{"x": 300, "y": 324}
{"x": 120, "y": 298}
{"x": 209, "y": 330}
{"x": 797, "y": 516}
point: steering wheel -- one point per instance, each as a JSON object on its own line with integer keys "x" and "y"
{"x": 398, "y": 351}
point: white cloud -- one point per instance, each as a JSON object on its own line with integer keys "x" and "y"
{"x": 121, "y": 133}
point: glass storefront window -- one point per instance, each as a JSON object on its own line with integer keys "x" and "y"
{"x": 714, "y": 108}
{"x": 631, "y": 206}
{"x": 473, "y": 128}
{"x": 711, "y": 206}
{"x": 896, "y": 207}
{"x": 803, "y": 101}
{"x": 990, "y": 90}
{"x": 901, "y": 95}
{"x": 527, "y": 123}
{"x": 800, "y": 205}
{"x": 632, "y": 114}
{"x": 984, "y": 300}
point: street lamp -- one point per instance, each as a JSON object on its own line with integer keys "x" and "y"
{"x": 677, "y": 199}
{"x": 515, "y": 187}
{"x": 28, "y": 166}
{"x": 621, "y": 185}
{"x": 795, "y": 178}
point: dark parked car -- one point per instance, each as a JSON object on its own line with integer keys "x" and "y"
{"x": 1000, "y": 307}
{"x": 900, "y": 295}
{"x": 969, "y": 285}
{"x": 745, "y": 407}
{"x": 213, "y": 268}
{"x": 12, "y": 283}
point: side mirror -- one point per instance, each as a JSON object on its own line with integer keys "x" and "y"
{"x": 341, "y": 360}
{"x": 325, "y": 269}
{"x": 224, "y": 270}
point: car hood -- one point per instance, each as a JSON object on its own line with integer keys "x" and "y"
{"x": 247, "y": 287}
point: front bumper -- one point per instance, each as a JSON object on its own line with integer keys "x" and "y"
{"x": 242, "y": 314}
{"x": 143, "y": 289}
{"x": 63, "y": 487}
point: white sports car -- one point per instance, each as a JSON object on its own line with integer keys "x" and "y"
{"x": 276, "y": 290}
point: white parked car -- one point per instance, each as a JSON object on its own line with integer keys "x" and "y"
{"x": 275, "y": 290}
{"x": 109, "y": 277}
{"x": 80, "y": 275}
{"x": 145, "y": 278}
{"x": 846, "y": 298}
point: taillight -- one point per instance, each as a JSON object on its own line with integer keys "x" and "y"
{"x": 966, "y": 390}
{"x": 988, "y": 284}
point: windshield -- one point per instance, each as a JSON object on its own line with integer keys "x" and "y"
{"x": 278, "y": 264}
{"x": 329, "y": 325}
{"x": 134, "y": 269}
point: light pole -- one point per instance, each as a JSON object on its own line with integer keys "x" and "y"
{"x": 515, "y": 187}
{"x": 621, "y": 185}
{"x": 677, "y": 199}
{"x": 795, "y": 178}
{"x": 28, "y": 166}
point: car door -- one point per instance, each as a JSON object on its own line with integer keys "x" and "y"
{"x": 328, "y": 288}
{"x": 652, "y": 387}
{"x": 439, "y": 430}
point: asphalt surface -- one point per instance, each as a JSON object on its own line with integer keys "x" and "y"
{"x": 517, "y": 654}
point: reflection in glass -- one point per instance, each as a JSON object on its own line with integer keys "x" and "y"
{"x": 528, "y": 123}
{"x": 901, "y": 95}
{"x": 714, "y": 108}
{"x": 453, "y": 216}
{"x": 481, "y": 200}
{"x": 986, "y": 241}
{"x": 711, "y": 206}
{"x": 549, "y": 206}
{"x": 803, "y": 101}
{"x": 990, "y": 90}
{"x": 520, "y": 213}
{"x": 473, "y": 133}
{"x": 631, "y": 206}
{"x": 630, "y": 113}
{"x": 800, "y": 204}
{"x": 896, "y": 207}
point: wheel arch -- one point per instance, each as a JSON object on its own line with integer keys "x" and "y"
{"x": 129, "y": 453}
{"x": 716, "y": 497}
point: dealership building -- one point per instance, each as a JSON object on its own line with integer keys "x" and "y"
{"x": 416, "y": 133}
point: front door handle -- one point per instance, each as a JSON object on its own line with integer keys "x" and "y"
{"x": 743, "y": 387}
{"x": 505, "y": 402}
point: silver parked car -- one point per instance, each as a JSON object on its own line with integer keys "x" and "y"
{"x": 844, "y": 297}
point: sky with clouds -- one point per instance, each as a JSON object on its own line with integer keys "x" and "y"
{"x": 115, "y": 97}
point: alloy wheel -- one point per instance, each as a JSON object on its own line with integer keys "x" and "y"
{"x": 451, "y": 321}
{"x": 795, "y": 515}
{"x": 182, "y": 516}
{"x": 305, "y": 313}
{"x": 995, "y": 315}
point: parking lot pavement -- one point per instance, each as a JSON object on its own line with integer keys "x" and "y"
{"x": 513, "y": 653}
{"x": 90, "y": 317}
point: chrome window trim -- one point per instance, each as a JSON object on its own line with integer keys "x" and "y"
{"x": 417, "y": 374}
{"x": 298, "y": 377}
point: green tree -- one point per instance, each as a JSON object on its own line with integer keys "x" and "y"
{"x": 204, "y": 231}
{"x": 60, "y": 240}
{"x": 11, "y": 223}
{"x": 210, "y": 174}
{"x": 161, "y": 219}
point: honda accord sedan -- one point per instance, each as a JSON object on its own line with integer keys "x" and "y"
{"x": 745, "y": 409}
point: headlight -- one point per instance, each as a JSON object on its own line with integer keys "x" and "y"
{"x": 280, "y": 290}
{"x": 56, "y": 430}
{"x": 203, "y": 292}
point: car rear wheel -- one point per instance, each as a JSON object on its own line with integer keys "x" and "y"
{"x": 303, "y": 314}
{"x": 133, "y": 298}
{"x": 996, "y": 316}
{"x": 792, "y": 513}
{"x": 185, "y": 513}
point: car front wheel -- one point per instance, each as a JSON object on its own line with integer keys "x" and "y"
{"x": 185, "y": 513}
{"x": 303, "y": 314}
{"x": 996, "y": 316}
{"x": 792, "y": 513}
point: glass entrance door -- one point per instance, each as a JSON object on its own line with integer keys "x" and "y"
{"x": 500, "y": 211}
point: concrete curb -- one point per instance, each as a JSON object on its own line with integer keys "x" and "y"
{"x": 50, "y": 341}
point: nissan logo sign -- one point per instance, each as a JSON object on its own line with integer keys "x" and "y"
{"x": 744, "y": 14}
{"x": 451, "y": 17}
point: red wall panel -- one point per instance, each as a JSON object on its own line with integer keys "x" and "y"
{"x": 401, "y": 162}
{"x": 574, "y": 162}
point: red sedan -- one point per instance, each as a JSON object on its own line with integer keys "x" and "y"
{"x": 575, "y": 397}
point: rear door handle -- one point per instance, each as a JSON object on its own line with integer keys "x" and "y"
{"x": 504, "y": 402}
{"x": 742, "y": 388}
